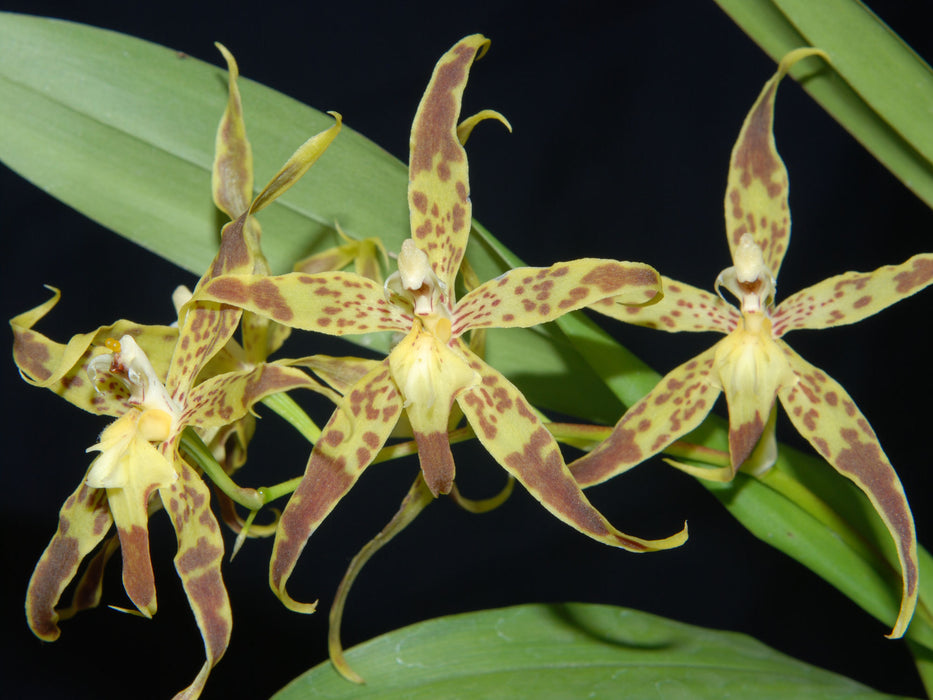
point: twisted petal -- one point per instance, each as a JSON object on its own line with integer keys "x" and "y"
{"x": 756, "y": 191}
{"x": 853, "y": 296}
{"x": 342, "y": 373}
{"x": 89, "y": 587}
{"x": 348, "y": 444}
{"x": 825, "y": 415}
{"x": 232, "y": 174}
{"x": 681, "y": 308}
{"x": 336, "y": 303}
{"x": 438, "y": 188}
{"x": 63, "y": 368}
{"x": 228, "y": 397}
{"x": 677, "y": 405}
{"x": 82, "y": 523}
{"x": 528, "y": 296}
{"x": 750, "y": 368}
{"x": 430, "y": 375}
{"x": 516, "y": 438}
{"x": 200, "y": 551}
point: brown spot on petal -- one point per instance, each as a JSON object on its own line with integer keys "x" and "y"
{"x": 268, "y": 297}
{"x": 31, "y": 355}
{"x": 58, "y": 564}
{"x": 201, "y": 556}
{"x": 920, "y": 275}
{"x": 232, "y": 291}
{"x": 437, "y": 462}
{"x": 137, "y": 566}
{"x": 434, "y": 130}
{"x": 619, "y": 448}
{"x": 866, "y": 464}
{"x": 742, "y": 440}
{"x": 207, "y": 592}
{"x": 325, "y": 482}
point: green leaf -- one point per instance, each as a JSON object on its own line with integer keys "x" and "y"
{"x": 569, "y": 650}
{"x": 883, "y": 97}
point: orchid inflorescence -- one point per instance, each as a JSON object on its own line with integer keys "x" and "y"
{"x": 183, "y": 395}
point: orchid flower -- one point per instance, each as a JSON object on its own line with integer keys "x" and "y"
{"x": 146, "y": 377}
{"x": 432, "y": 367}
{"x": 752, "y": 365}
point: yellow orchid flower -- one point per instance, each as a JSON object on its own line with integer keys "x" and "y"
{"x": 752, "y": 365}
{"x": 432, "y": 366}
{"x": 150, "y": 379}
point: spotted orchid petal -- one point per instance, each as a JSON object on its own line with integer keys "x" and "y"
{"x": 508, "y": 428}
{"x": 750, "y": 368}
{"x": 131, "y": 470}
{"x": 438, "y": 187}
{"x": 82, "y": 523}
{"x": 341, "y": 373}
{"x": 220, "y": 400}
{"x": 232, "y": 174}
{"x": 528, "y": 296}
{"x": 853, "y": 296}
{"x": 64, "y": 368}
{"x": 336, "y": 303}
{"x": 756, "y": 191}
{"x": 349, "y": 443}
{"x": 200, "y": 552}
{"x": 676, "y": 405}
{"x": 682, "y": 307}
{"x": 825, "y": 414}
{"x": 430, "y": 374}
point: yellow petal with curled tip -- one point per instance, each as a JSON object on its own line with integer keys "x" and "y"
{"x": 756, "y": 191}
{"x": 82, "y": 523}
{"x": 465, "y": 128}
{"x": 232, "y": 174}
{"x": 527, "y": 296}
{"x": 517, "y": 439}
{"x": 297, "y": 165}
{"x": 438, "y": 180}
{"x": 825, "y": 414}
{"x": 348, "y": 444}
{"x": 430, "y": 375}
{"x": 200, "y": 552}
{"x": 63, "y": 368}
{"x": 852, "y": 296}
{"x": 682, "y": 307}
{"x": 677, "y": 405}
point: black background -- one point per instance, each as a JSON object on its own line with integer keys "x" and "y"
{"x": 624, "y": 121}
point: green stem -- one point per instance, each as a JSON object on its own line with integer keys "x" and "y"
{"x": 285, "y": 406}
{"x": 193, "y": 446}
{"x": 414, "y": 502}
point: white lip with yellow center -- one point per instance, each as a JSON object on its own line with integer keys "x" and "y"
{"x": 428, "y": 372}
{"x": 127, "y": 457}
